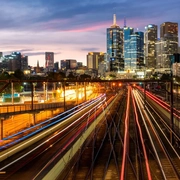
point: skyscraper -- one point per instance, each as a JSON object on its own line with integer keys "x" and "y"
{"x": 169, "y": 33}
{"x": 169, "y": 28}
{"x": 115, "y": 47}
{"x": 167, "y": 45}
{"x": 49, "y": 61}
{"x": 128, "y": 31}
{"x": 150, "y": 38}
{"x": 14, "y": 62}
{"x": 136, "y": 51}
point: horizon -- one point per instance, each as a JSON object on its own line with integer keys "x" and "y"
{"x": 73, "y": 31}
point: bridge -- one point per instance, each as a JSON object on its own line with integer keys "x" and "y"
{"x": 121, "y": 134}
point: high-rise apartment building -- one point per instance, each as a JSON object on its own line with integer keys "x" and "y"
{"x": 166, "y": 46}
{"x": 94, "y": 59}
{"x": 14, "y": 62}
{"x": 168, "y": 28}
{"x": 115, "y": 47}
{"x": 128, "y": 31}
{"x": 49, "y": 61}
{"x": 150, "y": 38}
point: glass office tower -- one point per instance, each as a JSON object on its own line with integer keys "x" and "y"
{"x": 128, "y": 31}
{"x": 136, "y": 51}
{"x": 115, "y": 47}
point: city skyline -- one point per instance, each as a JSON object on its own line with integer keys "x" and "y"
{"x": 73, "y": 28}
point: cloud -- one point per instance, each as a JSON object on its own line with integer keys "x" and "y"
{"x": 39, "y": 53}
{"x": 72, "y": 27}
{"x": 76, "y": 15}
{"x": 28, "y": 52}
{"x": 90, "y": 49}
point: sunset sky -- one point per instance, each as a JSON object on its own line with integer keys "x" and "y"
{"x": 72, "y": 28}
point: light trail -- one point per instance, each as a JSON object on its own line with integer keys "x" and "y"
{"x": 41, "y": 135}
{"x": 82, "y": 129}
{"x": 142, "y": 140}
{"x": 160, "y": 102}
{"x": 24, "y": 155}
{"x": 126, "y": 138}
{"x": 49, "y": 125}
{"x": 157, "y": 124}
{"x": 144, "y": 114}
{"x": 58, "y": 116}
{"x": 162, "y": 120}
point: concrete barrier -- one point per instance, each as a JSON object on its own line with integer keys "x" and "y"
{"x": 61, "y": 165}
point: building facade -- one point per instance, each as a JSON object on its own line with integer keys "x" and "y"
{"x": 14, "y": 61}
{"x": 94, "y": 59}
{"x": 49, "y": 61}
{"x": 136, "y": 51}
{"x": 128, "y": 31}
{"x": 56, "y": 66}
{"x": 169, "y": 28}
{"x": 115, "y": 47}
{"x": 150, "y": 38}
{"x": 68, "y": 64}
{"x": 166, "y": 46}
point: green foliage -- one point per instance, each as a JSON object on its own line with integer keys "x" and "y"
{"x": 71, "y": 76}
{"x": 177, "y": 79}
{"x": 56, "y": 76}
{"x": 165, "y": 77}
{"x": 5, "y": 76}
{"x": 154, "y": 76}
{"x": 112, "y": 75}
{"x": 85, "y": 76}
{"x": 19, "y": 74}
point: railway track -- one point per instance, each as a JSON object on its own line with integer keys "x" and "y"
{"x": 15, "y": 138}
{"x": 127, "y": 144}
{"x": 161, "y": 154}
{"x": 104, "y": 148}
{"x": 15, "y": 164}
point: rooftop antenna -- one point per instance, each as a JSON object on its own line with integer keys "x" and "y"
{"x": 114, "y": 22}
{"x": 124, "y": 22}
{"x": 114, "y": 19}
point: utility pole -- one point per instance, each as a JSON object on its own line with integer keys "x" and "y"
{"x": 12, "y": 92}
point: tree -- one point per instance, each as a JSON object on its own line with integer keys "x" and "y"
{"x": 56, "y": 76}
{"x": 4, "y": 76}
{"x": 19, "y": 74}
{"x": 71, "y": 76}
{"x": 165, "y": 77}
{"x": 85, "y": 76}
